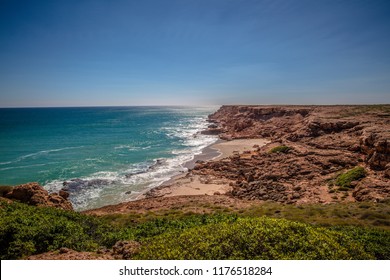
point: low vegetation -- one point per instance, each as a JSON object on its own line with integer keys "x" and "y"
{"x": 27, "y": 230}
{"x": 254, "y": 238}
{"x": 344, "y": 180}
{"x": 279, "y": 149}
{"x": 382, "y": 109}
{"x": 322, "y": 232}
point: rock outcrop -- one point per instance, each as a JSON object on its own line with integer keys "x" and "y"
{"x": 324, "y": 141}
{"x": 34, "y": 194}
{"x": 125, "y": 250}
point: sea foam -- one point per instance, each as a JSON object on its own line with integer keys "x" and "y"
{"x": 125, "y": 158}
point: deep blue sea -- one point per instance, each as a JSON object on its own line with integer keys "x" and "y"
{"x": 102, "y": 155}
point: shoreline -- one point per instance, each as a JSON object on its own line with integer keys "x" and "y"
{"x": 208, "y": 153}
{"x": 323, "y": 144}
{"x": 190, "y": 184}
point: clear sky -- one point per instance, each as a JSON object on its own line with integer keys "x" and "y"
{"x": 193, "y": 52}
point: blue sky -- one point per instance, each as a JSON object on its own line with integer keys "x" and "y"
{"x": 194, "y": 52}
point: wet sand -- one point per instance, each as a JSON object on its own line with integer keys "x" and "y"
{"x": 208, "y": 153}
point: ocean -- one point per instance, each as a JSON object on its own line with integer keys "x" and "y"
{"x": 101, "y": 155}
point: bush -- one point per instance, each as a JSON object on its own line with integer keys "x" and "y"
{"x": 27, "y": 230}
{"x": 159, "y": 226}
{"x": 344, "y": 180}
{"x": 253, "y": 238}
{"x": 374, "y": 241}
{"x": 280, "y": 149}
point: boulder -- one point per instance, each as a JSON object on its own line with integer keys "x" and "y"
{"x": 125, "y": 250}
{"x": 34, "y": 194}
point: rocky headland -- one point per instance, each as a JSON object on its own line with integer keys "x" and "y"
{"x": 312, "y": 155}
{"x": 279, "y": 161}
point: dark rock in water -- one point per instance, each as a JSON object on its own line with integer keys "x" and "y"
{"x": 158, "y": 163}
{"x": 129, "y": 175}
{"x": 128, "y": 192}
{"x": 72, "y": 183}
{"x": 76, "y": 184}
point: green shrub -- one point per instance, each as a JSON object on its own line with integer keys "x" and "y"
{"x": 253, "y": 238}
{"x": 163, "y": 225}
{"x": 344, "y": 180}
{"x": 27, "y": 230}
{"x": 280, "y": 149}
{"x": 374, "y": 241}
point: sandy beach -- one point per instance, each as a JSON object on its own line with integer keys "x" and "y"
{"x": 228, "y": 148}
{"x": 188, "y": 184}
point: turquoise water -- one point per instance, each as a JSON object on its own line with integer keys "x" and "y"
{"x": 102, "y": 155}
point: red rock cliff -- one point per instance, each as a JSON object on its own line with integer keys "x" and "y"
{"x": 324, "y": 141}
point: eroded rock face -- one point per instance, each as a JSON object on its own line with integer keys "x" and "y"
{"x": 377, "y": 149}
{"x": 256, "y": 121}
{"x": 371, "y": 189}
{"x": 325, "y": 141}
{"x": 34, "y": 194}
{"x": 290, "y": 177}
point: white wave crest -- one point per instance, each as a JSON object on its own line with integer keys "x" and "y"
{"x": 111, "y": 187}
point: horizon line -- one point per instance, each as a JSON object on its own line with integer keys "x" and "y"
{"x": 215, "y": 105}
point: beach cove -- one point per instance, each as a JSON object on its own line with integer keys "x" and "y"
{"x": 184, "y": 184}
{"x": 288, "y": 155}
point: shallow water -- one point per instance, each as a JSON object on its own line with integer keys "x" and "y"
{"x": 101, "y": 155}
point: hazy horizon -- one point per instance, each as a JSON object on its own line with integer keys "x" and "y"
{"x": 189, "y": 106}
{"x": 193, "y": 53}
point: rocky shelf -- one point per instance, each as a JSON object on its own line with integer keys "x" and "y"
{"x": 321, "y": 144}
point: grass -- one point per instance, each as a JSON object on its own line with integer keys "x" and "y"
{"x": 342, "y": 214}
{"x": 353, "y": 213}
